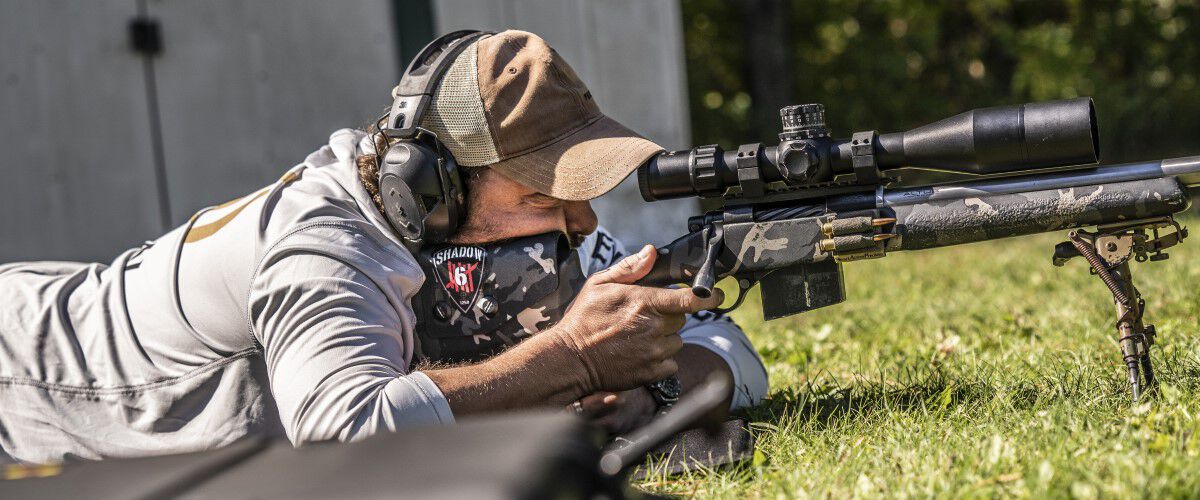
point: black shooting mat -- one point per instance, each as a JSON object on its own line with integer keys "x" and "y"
{"x": 509, "y": 456}
{"x": 530, "y": 455}
{"x": 697, "y": 449}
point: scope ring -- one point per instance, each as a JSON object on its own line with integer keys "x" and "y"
{"x": 749, "y": 177}
{"x": 862, "y": 159}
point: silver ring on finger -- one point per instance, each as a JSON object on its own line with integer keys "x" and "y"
{"x": 578, "y": 407}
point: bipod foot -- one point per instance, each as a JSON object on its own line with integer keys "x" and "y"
{"x": 1143, "y": 343}
{"x": 1135, "y": 350}
{"x": 1148, "y": 372}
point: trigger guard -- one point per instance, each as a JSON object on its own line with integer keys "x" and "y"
{"x": 742, "y": 290}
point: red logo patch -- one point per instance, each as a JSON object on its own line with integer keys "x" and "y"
{"x": 460, "y": 270}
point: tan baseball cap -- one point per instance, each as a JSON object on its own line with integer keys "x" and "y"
{"x": 511, "y": 102}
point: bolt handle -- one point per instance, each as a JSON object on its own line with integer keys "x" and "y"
{"x": 706, "y": 276}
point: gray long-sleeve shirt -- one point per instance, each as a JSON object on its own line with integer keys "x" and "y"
{"x": 286, "y": 311}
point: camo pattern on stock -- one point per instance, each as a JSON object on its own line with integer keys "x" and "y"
{"x": 478, "y": 300}
{"x": 763, "y": 246}
{"x": 747, "y": 248}
{"x": 954, "y": 222}
{"x": 752, "y": 248}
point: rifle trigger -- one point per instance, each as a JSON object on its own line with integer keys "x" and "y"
{"x": 744, "y": 286}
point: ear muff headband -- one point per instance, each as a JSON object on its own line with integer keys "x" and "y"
{"x": 419, "y": 182}
{"x": 420, "y": 80}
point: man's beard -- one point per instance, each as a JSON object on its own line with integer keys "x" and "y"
{"x": 474, "y": 232}
{"x": 576, "y": 239}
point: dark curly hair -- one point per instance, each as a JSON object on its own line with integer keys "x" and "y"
{"x": 368, "y": 169}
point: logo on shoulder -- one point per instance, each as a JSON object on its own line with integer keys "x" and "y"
{"x": 461, "y": 271}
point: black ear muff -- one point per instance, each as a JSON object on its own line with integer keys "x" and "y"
{"x": 422, "y": 191}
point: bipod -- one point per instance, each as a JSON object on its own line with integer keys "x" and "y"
{"x": 1108, "y": 251}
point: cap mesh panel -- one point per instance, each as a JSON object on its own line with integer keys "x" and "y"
{"x": 456, "y": 114}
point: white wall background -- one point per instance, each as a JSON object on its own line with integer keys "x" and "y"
{"x": 246, "y": 89}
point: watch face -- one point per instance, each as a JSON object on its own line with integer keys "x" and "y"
{"x": 668, "y": 389}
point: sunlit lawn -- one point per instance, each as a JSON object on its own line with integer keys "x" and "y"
{"x": 980, "y": 370}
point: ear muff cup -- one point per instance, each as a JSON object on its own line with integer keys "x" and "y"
{"x": 421, "y": 191}
{"x": 401, "y": 207}
{"x": 419, "y": 182}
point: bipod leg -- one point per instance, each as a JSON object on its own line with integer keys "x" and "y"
{"x": 1147, "y": 335}
{"x": 1131, "y": 333}
{"x": 1134, "y": 337}
{"x": 1129, "y": 342}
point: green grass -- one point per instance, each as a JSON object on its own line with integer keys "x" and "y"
{"x": 974, "y": 371}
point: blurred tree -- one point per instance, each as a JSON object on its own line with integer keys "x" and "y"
{"x": 894, "y": 64}
{"x": 767, "y": 49}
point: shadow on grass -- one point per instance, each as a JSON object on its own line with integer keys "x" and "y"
{"x": 823, "y": 399}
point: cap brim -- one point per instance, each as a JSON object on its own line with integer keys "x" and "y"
{"x": 583, "y": 164}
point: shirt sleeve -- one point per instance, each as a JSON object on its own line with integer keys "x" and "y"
{"x": 722, "y": 336}
{"x": 715, "y": 332}
{"x": 337, "y": 350}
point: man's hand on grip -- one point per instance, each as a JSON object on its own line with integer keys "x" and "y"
{"x": 626, "y": 335}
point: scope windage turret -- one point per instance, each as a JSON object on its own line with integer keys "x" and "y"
{"x": 995, "y": 141}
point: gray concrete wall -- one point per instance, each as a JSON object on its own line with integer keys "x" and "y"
{"x": 244, "y": 91}
{"x": 630, "y": 54}
{"x": 247, "y": 89}
{"x": 76, "y": 165}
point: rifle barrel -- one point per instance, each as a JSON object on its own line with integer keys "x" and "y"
{"x": 1187, "y": 169}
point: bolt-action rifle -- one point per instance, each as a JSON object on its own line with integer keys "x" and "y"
{"x": 792, "y": 213}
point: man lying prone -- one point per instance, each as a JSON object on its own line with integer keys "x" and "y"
{"x": 345, "y": 299}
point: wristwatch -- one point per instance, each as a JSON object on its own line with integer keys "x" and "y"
{"x": 665, "y": 393}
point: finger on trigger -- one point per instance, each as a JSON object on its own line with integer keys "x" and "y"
{"x": 697, "y": 303}
{"x": 714, "y": 301}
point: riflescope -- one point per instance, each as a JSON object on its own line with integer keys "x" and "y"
{"x": 990, "y": 142}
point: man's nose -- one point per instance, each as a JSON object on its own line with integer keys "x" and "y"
{"x": 581, "y": 219}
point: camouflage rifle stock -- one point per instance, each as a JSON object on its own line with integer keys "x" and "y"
{"x": 791, "y": 233}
